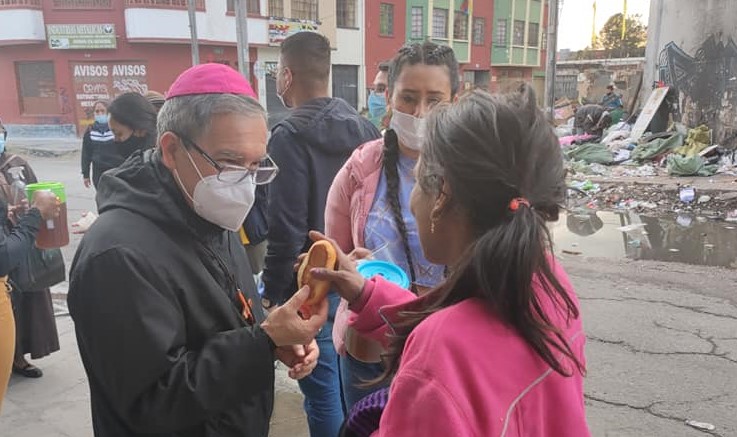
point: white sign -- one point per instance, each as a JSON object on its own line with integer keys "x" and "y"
{"x": 648, "y": 112}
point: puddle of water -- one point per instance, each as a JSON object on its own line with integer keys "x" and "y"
{"x": 682, "y": 239}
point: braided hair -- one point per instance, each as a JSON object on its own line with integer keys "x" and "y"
{"x": 426, "y": 53}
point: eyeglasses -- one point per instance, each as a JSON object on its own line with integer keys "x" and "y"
{"x": 263, "y": 173}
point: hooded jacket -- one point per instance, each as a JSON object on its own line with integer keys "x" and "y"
{"x": 153, "y": 294}
{"x": 310, "y": 147}
{"x": 100, "y": 148}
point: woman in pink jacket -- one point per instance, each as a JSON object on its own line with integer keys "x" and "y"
{"x": 368, "y": 203}
{"x": 498, "y": 348}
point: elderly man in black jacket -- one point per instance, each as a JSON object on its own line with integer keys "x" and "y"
{"x": 166, "y": 311}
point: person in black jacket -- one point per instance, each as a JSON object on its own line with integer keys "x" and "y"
{"x": 132, "y": 120}
{"x": 16, "y": 240}
{"x": 161, "y": 291}
{"x": 310, "y": 145}
{"x": 96, "y": 145}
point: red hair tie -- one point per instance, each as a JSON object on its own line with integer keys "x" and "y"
{"x": 515, "y": 203}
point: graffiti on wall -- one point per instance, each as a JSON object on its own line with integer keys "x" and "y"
{"x": 706, "y": 83}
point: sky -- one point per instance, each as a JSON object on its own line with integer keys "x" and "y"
{"x": 574, "y": 31}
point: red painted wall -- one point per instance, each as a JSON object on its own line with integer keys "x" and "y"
{"x": 383, "y": 48}
{"x": 164, "y": 62}
{"x": 482, "y": 54}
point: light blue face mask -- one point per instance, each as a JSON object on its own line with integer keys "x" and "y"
{"x": 2, "y": 144}
{"x": 377, "y": 104}
{"x": 101, "y": 118}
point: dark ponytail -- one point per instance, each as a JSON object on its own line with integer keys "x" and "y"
{"x": 390, "y": 163}
{"x": 491, "y": 149}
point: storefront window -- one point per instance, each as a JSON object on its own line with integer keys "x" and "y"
{"x": 37, "y": 88}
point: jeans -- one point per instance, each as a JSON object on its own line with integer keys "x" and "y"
{"x": 354, "y": 373}
{"x": 323, "y": 404}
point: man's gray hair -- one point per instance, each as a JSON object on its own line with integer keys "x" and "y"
{"x": 191, "y": 116}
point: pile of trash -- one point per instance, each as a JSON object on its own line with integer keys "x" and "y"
{"x": 613, "y": 152}
{"x": 652, "y": 199}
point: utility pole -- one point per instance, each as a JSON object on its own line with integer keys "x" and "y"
{"x": 191, "y": 7}
{"x": 551, "y": 53}
{"x": 241, "y": 30}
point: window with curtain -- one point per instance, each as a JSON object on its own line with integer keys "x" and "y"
{"x": 276, "y": 8}
{"x": 440, "y": 23}
{"x": 304, "y": 10}
{"x": 460, "y": 25}
{"x": 417, "y": 21}
{"x": 346, "y": 11}
{"x": 386, "y": 19}
{"x": 533, "y": 34}
{"x": 518, "y": 35}
{"x": 501, "y": 36}
{"x": 252, "y": 6}
{"x": 479, "y": 31}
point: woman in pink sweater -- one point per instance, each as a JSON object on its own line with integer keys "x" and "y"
{"x": 498, "y": 348}
{"x": 368, "y": 203}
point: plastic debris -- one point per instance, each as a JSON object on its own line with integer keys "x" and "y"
{"x": 586, "y": 186}
{"x": 687, "y": 194}
{"x": 704, "y": 199}
{"x": 701, "y": 425}
{"x": 633, "y": 227}
{"x": 731, "y": 216}
{"x": 689, "y": 166}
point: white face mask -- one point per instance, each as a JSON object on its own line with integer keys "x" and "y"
{"x": 409, "y": 129}
{"x": 221, "y": 203}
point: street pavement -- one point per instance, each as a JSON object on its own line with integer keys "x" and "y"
{"x": 662, "y": 349}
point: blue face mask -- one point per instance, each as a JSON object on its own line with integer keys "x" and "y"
{"x": 377, "y": 104}
{"x": 2, "y": 144}
{"x": 102, "y": 118}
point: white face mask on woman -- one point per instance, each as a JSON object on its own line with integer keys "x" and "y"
{"x": 410, "y": 129}
{"x": 221, "y": 203}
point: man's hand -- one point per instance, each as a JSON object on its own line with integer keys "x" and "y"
{"x": 301, "y": 360}
{"x": 87, "y": 182}
{"x": 286, "y": 327}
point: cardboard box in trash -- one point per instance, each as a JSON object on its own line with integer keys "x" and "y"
{"x": 563, "y": 111}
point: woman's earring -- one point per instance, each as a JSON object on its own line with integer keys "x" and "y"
{"x": 432, "y": 226}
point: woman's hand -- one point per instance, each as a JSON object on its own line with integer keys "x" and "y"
{"x": 87, "y": 182}
{"x": 348, "y": 282}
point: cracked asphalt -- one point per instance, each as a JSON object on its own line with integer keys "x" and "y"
{"x": 662, "y": 349}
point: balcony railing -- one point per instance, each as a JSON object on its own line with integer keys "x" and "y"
{"x": 167, "y": 4}
{"x": 83, "y": 4}
{"x": 33, "y": 4}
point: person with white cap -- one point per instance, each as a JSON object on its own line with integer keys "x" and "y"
{"x": 166, "y": 312}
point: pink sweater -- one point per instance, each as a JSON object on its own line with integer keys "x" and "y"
{"x": 464, "y": 373}
{"x": 346, "y": 211}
